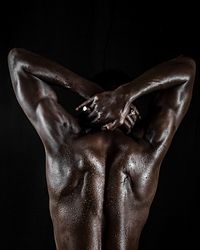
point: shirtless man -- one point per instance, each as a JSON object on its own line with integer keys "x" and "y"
{"x": 101, "y": 183}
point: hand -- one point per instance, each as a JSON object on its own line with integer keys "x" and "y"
{"x": 109, "y": 109}
{"x": 130, "y": 119}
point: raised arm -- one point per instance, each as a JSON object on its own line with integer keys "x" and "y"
{"x": 172, "y": 80}
{"x": 176, "y": 72}
{"x": 31, "y": 75}
{"x": 52, "y": 72}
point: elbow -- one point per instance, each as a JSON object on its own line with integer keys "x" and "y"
{"x": 13, "y": 55}
{"x": 191, "y": 71}
{"x": 15, "y": 59}
{"x": 185, "y": 68}
{"x": 189, "y": 65}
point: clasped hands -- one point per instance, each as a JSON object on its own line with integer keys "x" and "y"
{"x": 111, "y": 110}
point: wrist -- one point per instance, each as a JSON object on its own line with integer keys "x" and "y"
{"x": 122, "y": 92}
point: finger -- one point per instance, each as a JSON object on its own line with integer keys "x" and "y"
{"x": 127, "y": 126}
{"x": 93, "y": 104}
{"x": 113, "y": 125}
{"x": 137, "y": 113}
{"x": 93, "y": 113}
{"x": 85, "y": 103}
{"x": 98, "y": 118}
{"x": 105, "y": 127}
{"x": 95, "y": 120}
{"x": 86, "y": 110}
{"x": 131, "y": 120}
{"x": 134, "y": 108}
{"x": 134, "y": 117}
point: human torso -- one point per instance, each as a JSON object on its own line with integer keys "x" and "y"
{"x": 101, "y": 187}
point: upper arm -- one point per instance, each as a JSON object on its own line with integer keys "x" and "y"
{"x": 168, "y": 110}
{"x": 39, "y": 102}
{"x": 53, "y": 123}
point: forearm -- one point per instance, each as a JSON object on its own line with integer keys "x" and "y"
{"x": 52, "y": 72}
{"x": 166, "y": 75}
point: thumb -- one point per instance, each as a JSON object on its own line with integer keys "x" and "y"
{"x": 111, "y": 125}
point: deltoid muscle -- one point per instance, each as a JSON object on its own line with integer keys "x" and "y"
{"x": 101, "y": 174}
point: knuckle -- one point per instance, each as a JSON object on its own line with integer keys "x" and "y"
{"x": 96, "y": 98}
{"x": 121, "y": 121}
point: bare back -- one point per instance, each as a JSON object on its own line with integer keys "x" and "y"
{"x": 101, "y": 184}
{"x": 98, "y": 193}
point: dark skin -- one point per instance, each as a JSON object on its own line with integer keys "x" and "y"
{"x": 102, "y": 183}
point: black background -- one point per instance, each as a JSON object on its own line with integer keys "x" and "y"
{"x": 89, "y": 37}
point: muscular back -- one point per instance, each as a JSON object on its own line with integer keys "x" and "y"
{"x": 104, "y": 185}
{"x": 101, "y": 184}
